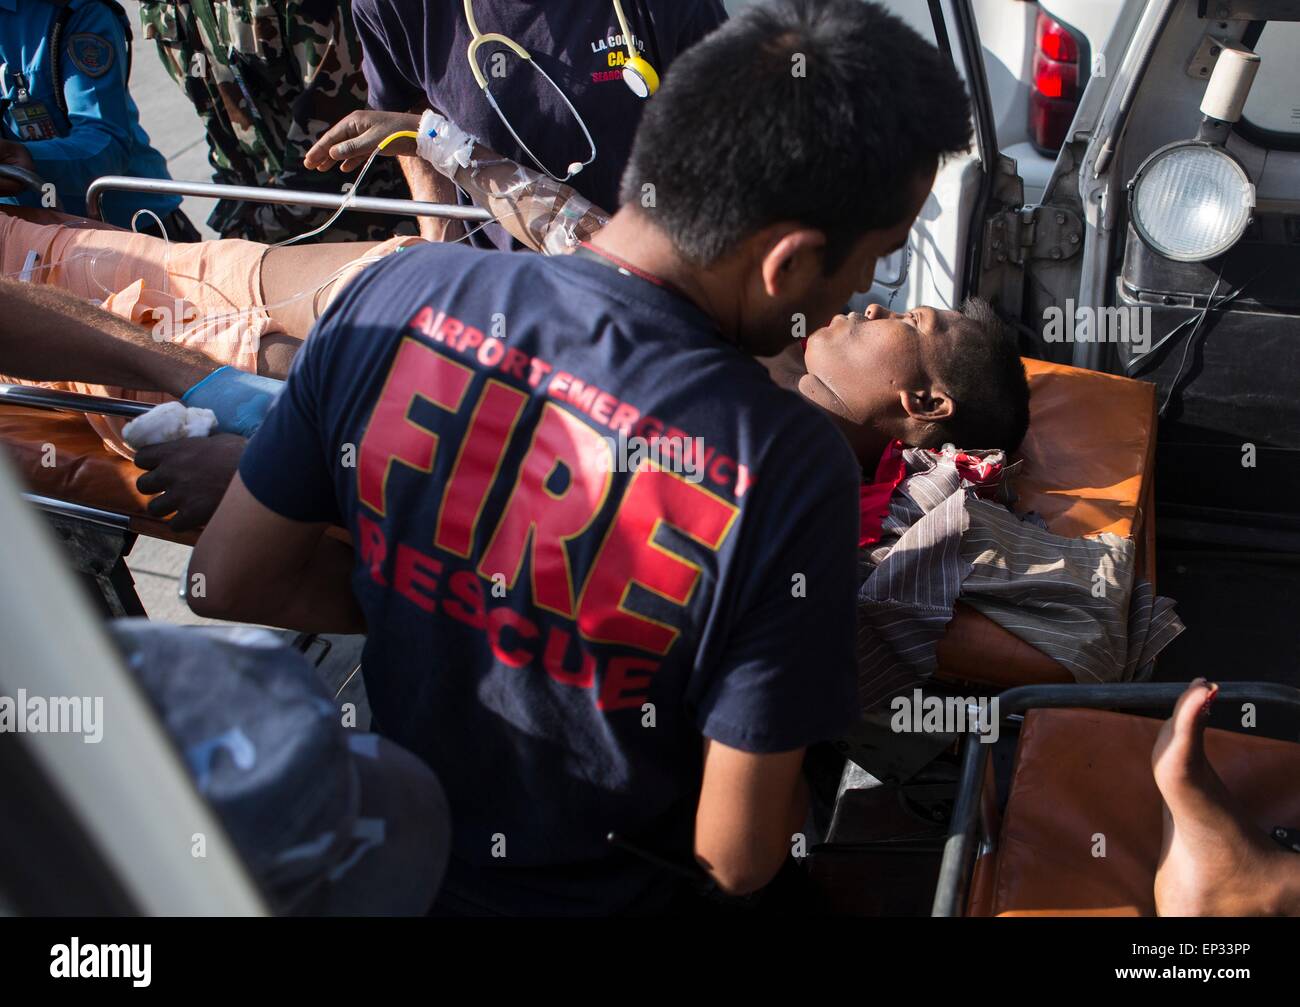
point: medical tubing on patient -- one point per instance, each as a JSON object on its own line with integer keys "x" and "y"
{"x": 181, "y": 324}
{"x": 351, "y": 193}
{"x": 167, "y": 244}
{"x": 546, "y": 215}
{"x": 348, "y": 198}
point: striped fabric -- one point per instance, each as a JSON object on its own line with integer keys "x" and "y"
{"x": 1076, "y": 600}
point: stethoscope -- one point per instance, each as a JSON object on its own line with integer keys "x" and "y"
{"x": 11, "y": 95}
{"x": 638, "y": 74}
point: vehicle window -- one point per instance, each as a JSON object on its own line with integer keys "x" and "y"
{"x": 1274, "y": 102}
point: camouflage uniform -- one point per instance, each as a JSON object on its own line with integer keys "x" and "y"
{"x": 267, "y": 79}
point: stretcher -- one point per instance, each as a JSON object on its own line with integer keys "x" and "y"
{"x": 1088, "y": 463}
{"x": 86, "y": 491}
{"x": 1088, "y": 431}
{"x": 1082, "y": 787}
{"x": 1088, "y": 468}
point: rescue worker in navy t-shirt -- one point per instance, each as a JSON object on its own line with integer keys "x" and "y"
{"x": 66, "y": 114}
{"x": 416, "y": 55}
{"x": 605, "y": 567}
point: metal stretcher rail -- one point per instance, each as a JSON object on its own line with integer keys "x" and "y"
{"x": 96, "y": 540}
{"x": 79, "y": 512}
{"x": 297, "y": 197}
{"x": 72, "y": 402}
{"x": 960, "y": 846}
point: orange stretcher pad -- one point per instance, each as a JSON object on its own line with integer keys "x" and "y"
{"x": 1088, "y": 461}
{"x": 60, "y": 456}
{"x": 1083, "y": 777}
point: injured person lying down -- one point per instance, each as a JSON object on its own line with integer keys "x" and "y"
{"x": 909, "y": 390}
{"x": 924, "y": 378}
{"x": 246, "y": 307}
{"x": 899, "y": 386}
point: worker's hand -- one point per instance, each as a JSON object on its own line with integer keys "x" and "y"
{"x": 190, "y": 477}
{"x": 351, "y": 140}
{"x": 240, "y": 400}
{"x": 15, "y": 153}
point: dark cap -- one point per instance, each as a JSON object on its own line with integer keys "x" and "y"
{"x": 329, "y": 821}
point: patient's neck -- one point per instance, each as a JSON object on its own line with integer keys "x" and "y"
{"x": 868, "y": 443}
{"x": 867, "y": 439}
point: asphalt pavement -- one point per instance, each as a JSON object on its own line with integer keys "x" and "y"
{"x": 172, "y": 124}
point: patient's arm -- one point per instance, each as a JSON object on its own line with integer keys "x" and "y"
{"x": 428, "y": 186}
{"x": 536, "y": 210}
{"x": 49, "y": 335}
{"x": 530, "y": 205}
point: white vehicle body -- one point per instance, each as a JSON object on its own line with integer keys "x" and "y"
{"x": 1007, "y": 31}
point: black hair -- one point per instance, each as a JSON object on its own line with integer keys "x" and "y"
{"x": 824, "y": 112}
{"x": 986, "y": 379}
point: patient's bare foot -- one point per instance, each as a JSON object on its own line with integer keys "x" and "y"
{"x": 1213, "y": 860}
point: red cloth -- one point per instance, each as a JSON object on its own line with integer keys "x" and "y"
{"x": 874, "y": 496}
{"x": 984, "y": 472}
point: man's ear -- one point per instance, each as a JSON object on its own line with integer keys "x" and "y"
{"x": 793, "y": 259}
{"x": 930, "y": 405}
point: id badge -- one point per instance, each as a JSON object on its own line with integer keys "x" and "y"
{"x": 33, "y": 121}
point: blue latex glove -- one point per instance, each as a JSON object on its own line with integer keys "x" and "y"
{"x": 240, "y": 400}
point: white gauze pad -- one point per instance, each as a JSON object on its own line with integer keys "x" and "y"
{"x": 170, "y": 421}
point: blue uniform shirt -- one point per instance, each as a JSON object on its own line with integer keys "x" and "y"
{"x": 101, "y": 134}
{"x": 557, "y": 618}
{"x": 416, "y": 54}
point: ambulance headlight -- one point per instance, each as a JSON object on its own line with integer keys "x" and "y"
{"x": 1191, "y": 201}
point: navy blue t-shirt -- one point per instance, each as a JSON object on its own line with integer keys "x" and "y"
{"x": 416, "y": 55}
{"x": 556, "y": 615}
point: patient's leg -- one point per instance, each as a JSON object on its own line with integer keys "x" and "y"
{"x": 1214, "y": 861}
{"x": 275, "y": 355}
{"x": 299, "y": 281}
{"x": 226, "y": 314}
{"x": 271, "y": 289}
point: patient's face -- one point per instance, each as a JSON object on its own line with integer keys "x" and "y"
{"x": 860, "y": 363}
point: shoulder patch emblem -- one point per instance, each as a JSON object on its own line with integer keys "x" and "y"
{"x": 91, "y": 54}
